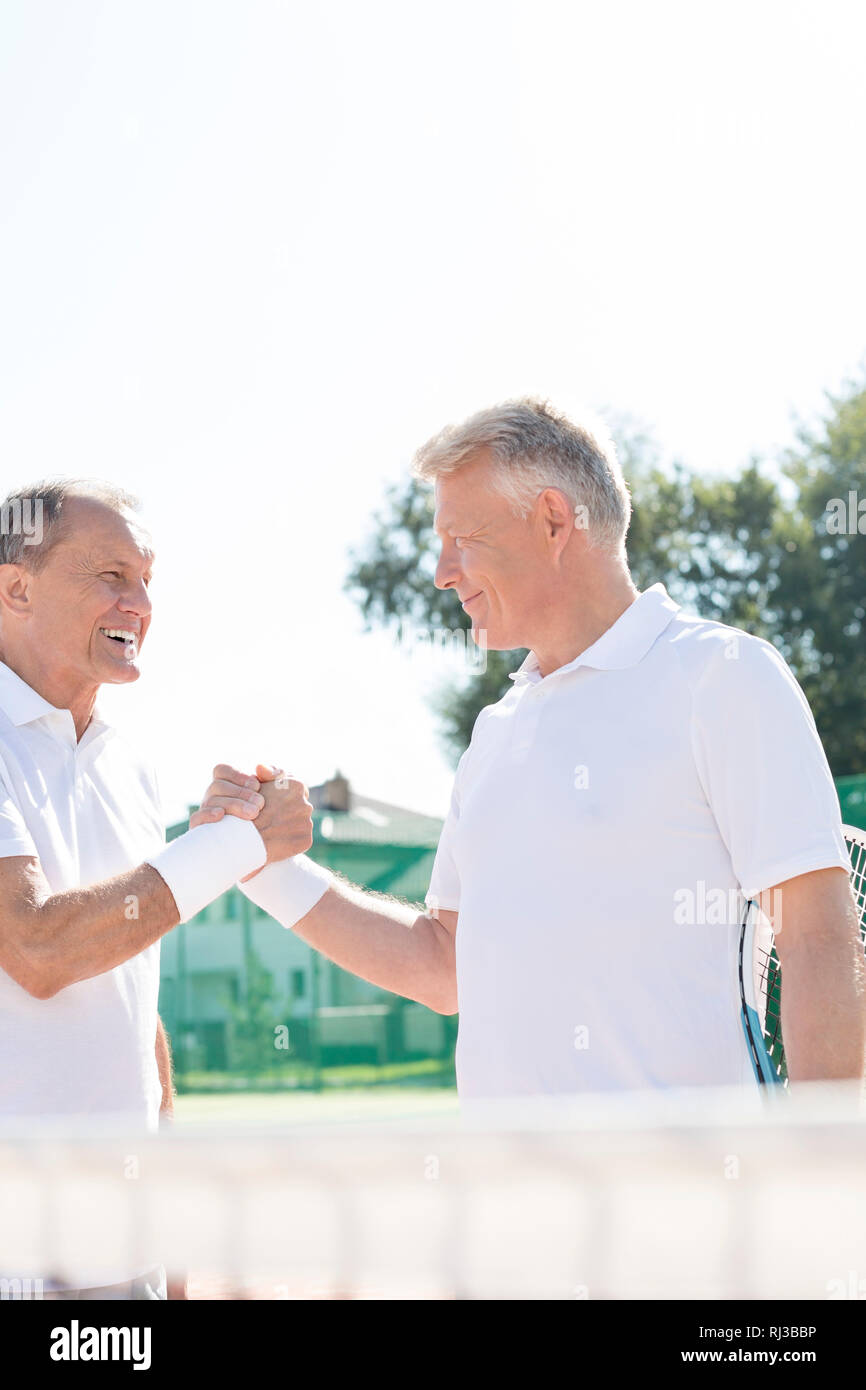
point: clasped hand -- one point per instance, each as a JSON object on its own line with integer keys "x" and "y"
{"x": 279, "y": 804}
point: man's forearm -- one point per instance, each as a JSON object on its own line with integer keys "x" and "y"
{"x": 386, "y": 943}
{"x": 85, "y": 932}
{"x": 814, "y": 919}
{"x": 49, "y": 941}
{"x": 823, "y": 1013}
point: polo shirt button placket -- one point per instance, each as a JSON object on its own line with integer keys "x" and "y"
{"x": 78, "y": 776}
{"x": 526, "y": 723}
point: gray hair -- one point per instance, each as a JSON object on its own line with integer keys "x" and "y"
{"x": 534, "y": 447}
{"x": 31, "y": 518}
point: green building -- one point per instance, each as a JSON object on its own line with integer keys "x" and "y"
{"x": 238, "y": 991}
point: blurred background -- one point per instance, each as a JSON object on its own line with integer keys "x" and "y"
{"x": 252, "y": 256}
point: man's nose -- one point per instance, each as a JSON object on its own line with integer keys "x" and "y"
{"x": 137, "y": 600}
{"x": 448, "y": 570}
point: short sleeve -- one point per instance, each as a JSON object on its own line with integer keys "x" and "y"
{"x": 444, "y": 890}
{"x": 763, "y": 767}
{"x": 15, "y": 838}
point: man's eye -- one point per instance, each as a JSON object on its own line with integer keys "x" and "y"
{"x": 112, "y": 574}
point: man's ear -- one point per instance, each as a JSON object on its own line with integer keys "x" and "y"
{"x": 16, "y": 590}
{"x": 557, "y": 516}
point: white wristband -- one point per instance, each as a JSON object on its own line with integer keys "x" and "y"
{"x": 288, "y": 889}
{"x": 205, "y": 862}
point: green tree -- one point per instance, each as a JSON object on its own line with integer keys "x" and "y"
{"x": 820, "y": 605}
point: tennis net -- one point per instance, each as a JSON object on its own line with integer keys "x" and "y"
{"x": 696, "y": 1195}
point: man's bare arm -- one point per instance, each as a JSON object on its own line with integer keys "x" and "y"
{"x": 823, "y": 976}
{"x": 386, "y": 943}
{"x": 163, "y": 1064}
{"x": 50, "y": 941}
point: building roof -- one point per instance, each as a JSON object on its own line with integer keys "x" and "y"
{"x": 376, "y": 822}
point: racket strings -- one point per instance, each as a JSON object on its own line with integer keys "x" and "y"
{"x": 769, "y": 979}
{"x": 858, "y": 880}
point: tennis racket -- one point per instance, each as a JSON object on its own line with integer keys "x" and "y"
{"x": 761, "y": 974}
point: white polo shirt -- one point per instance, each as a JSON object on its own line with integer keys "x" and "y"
{"x": 599, "y": 817}
{"x": 88, "y": 811}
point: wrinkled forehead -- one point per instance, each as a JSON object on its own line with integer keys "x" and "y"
{"x": 90, "y": 526}
{"x": 469, "y": 494}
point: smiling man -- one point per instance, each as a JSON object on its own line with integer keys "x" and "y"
{"x": 641, "y": 755}
{"x": 87, "y": 885}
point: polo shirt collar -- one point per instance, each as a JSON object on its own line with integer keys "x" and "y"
{"x": 24, "y": 705}
{"x": 625, "y": 642}
{"x": 19, "y": 700}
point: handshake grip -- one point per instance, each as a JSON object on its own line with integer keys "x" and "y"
{"x": 291, "y": 884}
{"x": 260, "y": 836}
{"x": 285, "y": 821}
{"x": 267, "y": 844}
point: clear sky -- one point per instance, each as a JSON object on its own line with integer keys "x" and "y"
{"x": 253, "y": 253}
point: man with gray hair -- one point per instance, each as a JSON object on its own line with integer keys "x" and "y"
{"x": 87, "y": 884}
{"x": 640, "y": 756}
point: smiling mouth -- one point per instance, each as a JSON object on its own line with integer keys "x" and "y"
{"x": 467, "y": 601}
{"x": 122, "y": 637}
